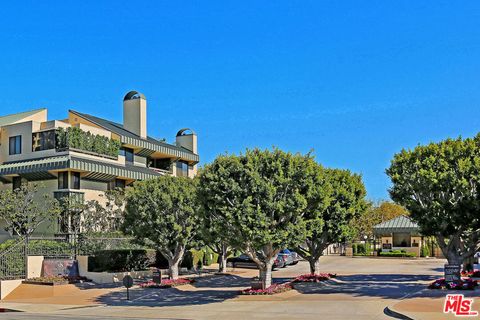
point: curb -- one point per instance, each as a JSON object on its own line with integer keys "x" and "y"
{"x": 387, "y": 311}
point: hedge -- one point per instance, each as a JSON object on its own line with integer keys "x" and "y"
{"x": 122, "y": 260}
{"x": 398, "y": 253}
{"x": 76, "y": 138}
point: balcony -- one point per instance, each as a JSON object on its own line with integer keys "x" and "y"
{"x": 75, "y": 139}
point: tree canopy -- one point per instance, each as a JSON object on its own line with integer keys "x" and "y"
{"x": 257, "y": 197}
{"x": 163, "y": 213}
{"x": 375, "y": 213}
{"x": 25, "y": 209}
{"x": 334, "y": 198}
{"x": 439, "y": 184}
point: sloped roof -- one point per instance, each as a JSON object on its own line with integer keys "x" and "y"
{"x": 132, "y": 138}
{"x": 398, "y": 224}
{"x": 13, "y": 118}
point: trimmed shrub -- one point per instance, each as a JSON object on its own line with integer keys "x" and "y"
{"x": 424, "y": 251}
{"x": 209, "y": 256}
{"x": 354, "y": 248}
{"x": 397, "y": 253}
{"x": 162, "y": 263}
{"x": 122, "y": 260}
{"x": 361, "y": 248}
{"x": 197, "y": 255}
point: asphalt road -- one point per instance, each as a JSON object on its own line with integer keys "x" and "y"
{"x": 362, "y": 290}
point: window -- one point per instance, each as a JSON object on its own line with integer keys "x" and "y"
{"x": 16, "y": 183}
{"x": 15, "y": 145}
{"x": 44, "y": 140}
{"x": 117, "y": 184}
{"x": 76, "y": 180}
{"x": 163, "y": 164}
{"x": 128, "y": 154}
{"x": 182, "y": 169}
{"x": 63, "y": 180}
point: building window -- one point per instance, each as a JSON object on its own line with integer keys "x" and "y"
{"x": 44, "y": 140}
{"x": 16, "y": 183}
{"x": 63, "y": 180}
{"x": 15, "y": 145}
{"x": 76, "y": 180}
{"x": 182, "y": 169}
{"x": 117, "y": 184}
{"x": 128, "y": 154}
{"x": 163, "y": 164}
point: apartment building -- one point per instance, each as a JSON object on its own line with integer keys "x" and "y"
{"x": 83, "y": 156}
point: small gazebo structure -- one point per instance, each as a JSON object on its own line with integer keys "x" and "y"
{"x": 400, "y": 233}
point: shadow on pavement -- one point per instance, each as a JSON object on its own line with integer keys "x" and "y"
{"x": 229, "y": 281}
{"x": 388, "y": 286}
{"x": 208, "y": 289}
{"x": 166, "y": 297}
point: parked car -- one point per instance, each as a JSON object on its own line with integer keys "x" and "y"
{"x": 296, "y": 257}
{"x": 244, "y": 261}
{"x": 286, "y": 257}
{"x": 290, "y": 257}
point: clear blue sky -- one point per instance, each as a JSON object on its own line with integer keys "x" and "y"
{"x": 355, "y": 81}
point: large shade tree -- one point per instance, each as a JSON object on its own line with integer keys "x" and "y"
{"x": 218, "y": 193}
{"x": 258, "y": 199}
{"x": 24, "y": 209}
{"x": 162, "y": 213}
{"x": 439, "y": 184}
{"x": 334, "y": 197}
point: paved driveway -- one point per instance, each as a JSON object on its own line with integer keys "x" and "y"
{"x": 364, "y": 287}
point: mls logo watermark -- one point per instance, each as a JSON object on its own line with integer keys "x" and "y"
{"x": 459, "y": 306}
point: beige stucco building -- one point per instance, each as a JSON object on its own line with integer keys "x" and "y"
{"x": 85, "y": 156}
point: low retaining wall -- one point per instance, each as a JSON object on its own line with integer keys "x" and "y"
{"x": 7, "y": 286}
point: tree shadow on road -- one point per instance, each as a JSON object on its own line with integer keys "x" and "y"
{"x": 387, "y": 286}
{"x": 165, "y": 297}
{"x": 208, "y": 289}
{"x": 229, "y": 281}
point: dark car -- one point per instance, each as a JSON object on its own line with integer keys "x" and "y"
{"x": 244, "y": 261}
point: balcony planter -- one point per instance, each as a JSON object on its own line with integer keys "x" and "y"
{"x": 96, "y": 154}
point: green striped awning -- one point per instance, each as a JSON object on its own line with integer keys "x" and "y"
{"x": 160, "y": 147}
{"x": 400, "y": 224}
{"x": 102, "y": 169}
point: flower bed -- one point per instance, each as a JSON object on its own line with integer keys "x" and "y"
{"x": 471, "y": 274}
{"x": 274, "y": 288}
{"x": 168, "y": 283}
{"x": 314, "y": 277}
{"x": 55, "y": 280}
{"x": 464, "y": 284}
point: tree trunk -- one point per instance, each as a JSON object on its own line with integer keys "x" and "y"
{"x": 266, "y": 274}
{"x": 174, "y": 262}
{"x": 451, "y": 250}
{"x": 173, "y": 269}
{"x": 222, "y": 267}
{"x": 314, "y": 265}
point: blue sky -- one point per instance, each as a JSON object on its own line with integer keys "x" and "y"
{"x": 355, "y": 81}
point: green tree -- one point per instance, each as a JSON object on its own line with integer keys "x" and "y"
{"x": 162, "y": 213}
{"x": 438, "y": 183}
{"x": 107, "y": 216}
{"x": 217, "y": 186}
{"x": 334, "y": 198}
{"x": 257, "y": 197}
{"x": 25, "y": 209}
{"x": 362, "y": 225}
